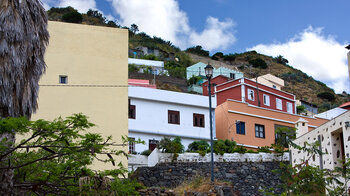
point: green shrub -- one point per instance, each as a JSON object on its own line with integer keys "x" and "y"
{"x": 326, "y": 95}
{"x": 201, "y": 147}
{"x": 133, "y": 68}
{"x": 198, "y": 50}
{"x": 146, "y": 152}
{"x": 193, "y": 80}
{"x": 72, "y": 17}
{"x": 171, "y": 146}
{"x": 252, "y": 151}
{"x": 230, "y": 57}
{"x": 219, "y": 147}
{"x": 258, "y": 63}
{"x": 265, "y": 149}
{"x": 240, "y": 149}
{"x": 301, "y": 109}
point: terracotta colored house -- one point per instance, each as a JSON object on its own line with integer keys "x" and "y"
{"x": 253, "y": 126}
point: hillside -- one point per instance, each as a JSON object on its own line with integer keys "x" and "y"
{"x": 296, "y": 82}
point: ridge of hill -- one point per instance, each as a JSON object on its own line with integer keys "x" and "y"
{"x": 297, "y": 82}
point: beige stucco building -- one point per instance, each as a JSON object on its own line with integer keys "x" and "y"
{"x": 87, "y": 72}
{"x": 271, "y": 81}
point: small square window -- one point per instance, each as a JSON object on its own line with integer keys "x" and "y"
{"x": 259, "y": 131}
{"x": 279, "y": 104}
{"x": 251, "y": 94}
{"x": 132, "y": 111}
{"x": 173, "y": 117}
{"x": 198, "y": 120}
{"x": 232, "y": 75}
{"x": 152, "y": 144}
{"x": 274, "y": 86}
{"x": 266, "y": 100}
{"x": 63, "y": 79}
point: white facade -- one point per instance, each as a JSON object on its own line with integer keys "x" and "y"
{"x": 157, "y": 66}
{"x": 151, "y": 116}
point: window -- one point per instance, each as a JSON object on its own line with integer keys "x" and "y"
{"x": 279, "y": 104}
{"x": 198, "y": 120}
{"x": 240, "y": 128}
{"x": 267, "y": 100}
{"x": 173, "y": 117}
{"x": 251, "y": 94}
{"x": 63, "y": 79}
{"x": 259, "y": 131}
{"x": 274, "y": 86}
{"x": 132, "y": 111}
{"x": 232, "y": 75}
{"x": 289, "y": 107}
{"x": 131, "y": 144}
{"x": 152, "y": 144}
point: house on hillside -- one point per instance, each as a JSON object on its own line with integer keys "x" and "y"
{"x": 271, "y": 81}
{"x": 311, "y": 109}
{"x": 155, "y": 114}
{"x": 198, "y": 70}
{"x": 240, "y": 117}
{"x": 86, "y": 67}
{"x": 248, "y": 91}
{"x": 151, "y": 66}
{"x": 140, "y": 83}
{"x": 252, "y": 126}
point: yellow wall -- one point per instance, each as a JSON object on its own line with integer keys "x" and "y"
{"x": 95, "y": 59}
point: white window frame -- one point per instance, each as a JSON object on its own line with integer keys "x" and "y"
{"x": 267, "y": 99}
{"x": 277, "y": 104}
{"x": 290, "y": 107}
{"x": 249, "y": 93}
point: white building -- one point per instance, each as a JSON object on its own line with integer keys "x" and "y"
{"x": 155, "y": 114}
{"x": 334, "y": 139}
{"x": 157, "y": 67}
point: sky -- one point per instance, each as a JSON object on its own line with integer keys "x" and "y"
{"x": 311, "y": 34}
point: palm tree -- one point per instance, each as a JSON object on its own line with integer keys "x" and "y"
{"x": 23, "y": 40}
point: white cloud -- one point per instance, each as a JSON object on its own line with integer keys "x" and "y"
{"x": 318, "y": 55}
{"x": 81, "y": 5}
{"x": 216, "y": 35}
{"x": 165, "y": 19}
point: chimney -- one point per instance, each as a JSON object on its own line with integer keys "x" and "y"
{"x": 302, "y": 127}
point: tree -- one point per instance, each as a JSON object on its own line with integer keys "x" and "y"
{"x": 134, "y": 28}
{"x": 72, "y": 17}
{"x": 258, "y": 63}
{"x": 326, "y": 95}
{"x": 23, "y": 30}
{"x": 56, "y": 154}
{"x": 198, "y": 50}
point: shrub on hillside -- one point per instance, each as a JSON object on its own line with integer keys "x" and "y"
{"x": 72, "y": 17}
{"x": 198, "y": 50}
{"x": 258, "y": 63}
{"x": 326, "y": 95}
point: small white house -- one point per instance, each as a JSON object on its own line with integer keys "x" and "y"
{"x": 155, "y": 114}
{"x": 156, "y": 66}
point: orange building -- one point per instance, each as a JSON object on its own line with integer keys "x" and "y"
{"x": 254, "y": 126}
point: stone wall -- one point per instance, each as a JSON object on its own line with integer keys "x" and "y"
{"x": 247, "y": 178}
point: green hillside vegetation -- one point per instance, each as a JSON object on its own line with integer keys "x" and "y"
{"x": 251, "y": 63}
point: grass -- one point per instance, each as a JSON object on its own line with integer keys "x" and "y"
{"x": 199, "y": 184}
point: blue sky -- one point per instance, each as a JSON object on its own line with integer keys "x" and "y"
{"x": 311, "y": 34}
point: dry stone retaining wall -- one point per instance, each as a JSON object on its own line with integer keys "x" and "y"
{"x": 247, "y": 178}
